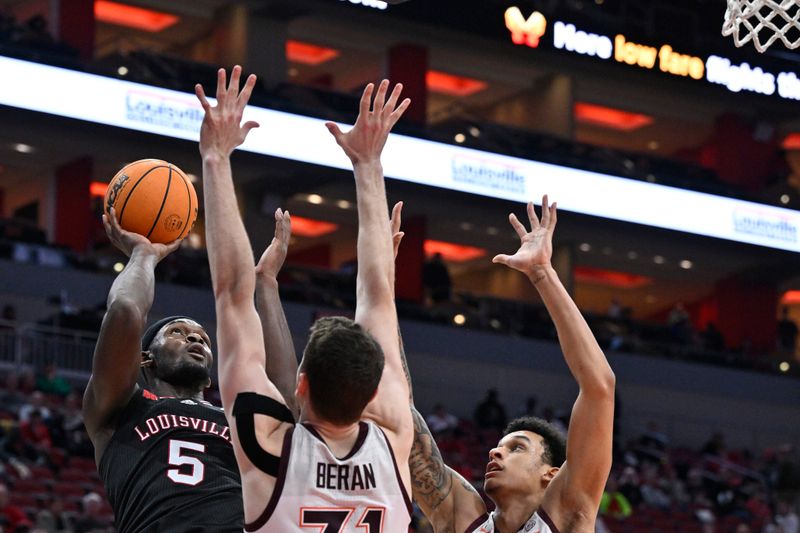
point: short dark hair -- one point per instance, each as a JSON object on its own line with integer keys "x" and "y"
{"x": 343, "y": 364}
{"x": 554, "y": 442}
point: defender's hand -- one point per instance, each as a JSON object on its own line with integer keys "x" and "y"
{"x": 536, "y": 247}
{"x": 222, "y": 129}
{"x": 128, "y": 242}
{"x": 273, "y": 257}
{"x": 394, "y": 224}
{"x": 365, "y": 141}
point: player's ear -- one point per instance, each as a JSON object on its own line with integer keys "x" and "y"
{"x": 302, "y": 385}
{"x": 549, "y": 475}
{"x": 147, "y": 359}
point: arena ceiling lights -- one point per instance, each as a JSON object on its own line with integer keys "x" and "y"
{"x": 133, "y": 17}
{"x": 154, "y": 110}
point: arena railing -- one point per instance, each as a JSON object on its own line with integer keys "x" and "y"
{"x": 25, "y": 346}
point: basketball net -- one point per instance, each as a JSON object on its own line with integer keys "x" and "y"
{"x": 763, "y": 22}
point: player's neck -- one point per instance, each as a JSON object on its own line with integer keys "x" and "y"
{"x": 162, "y": 389}
{"x": 340, "y": 439}
{"x": 513, "y": 511}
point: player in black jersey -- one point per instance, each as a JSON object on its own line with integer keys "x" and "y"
{"x": 164, "y": 453}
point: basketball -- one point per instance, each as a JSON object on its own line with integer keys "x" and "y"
{"x": 153, "y": 198}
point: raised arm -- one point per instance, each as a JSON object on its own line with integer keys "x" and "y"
{"x": 449, "y": 501}
{"x": 578, "y": 486}
{"x": 118, "y": 354}
{"x": 241, "y": 343}
{"x": 375, "y": 309}
{"x": 281, "y": 359}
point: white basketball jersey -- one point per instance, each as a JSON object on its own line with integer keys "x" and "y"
{"x": 319, "y": 493}
{"x": 538, "y": 523}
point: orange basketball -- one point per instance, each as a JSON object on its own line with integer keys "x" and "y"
{"x": 153, "y": 198}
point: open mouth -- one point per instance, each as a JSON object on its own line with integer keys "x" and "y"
{"x": 197, "y": 352}
{"x": 492, "y": 468}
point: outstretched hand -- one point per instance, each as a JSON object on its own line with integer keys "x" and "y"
{"x": 128, "y": 241}
{"x": 394, "y": 224}
{"x": 536, "y": 246}
{"x": 222, "y": 129}
{"x": 273, "y": 257}
{"x": 365, "y": 141}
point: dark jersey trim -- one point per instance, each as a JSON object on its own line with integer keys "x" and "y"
{"x": 259, "y": 522}
{"x": 478, "y": 522}
{"x": 402, "y": 485}
{"x": 363, "y": 431}
{"x": 245, "y": 408}
{"x": 547, "y": 520}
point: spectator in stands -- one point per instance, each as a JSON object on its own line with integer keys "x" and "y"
{"x": 77, "y": 440}
{"x": 786, "y": 518}
{"x": 712, "y": 338}
{"x": 11, "y": 399}
{"x": 53, "y": 518}
{"x": 715, "y": 445}
{"x": 549, "y": 415}
{"x": 613, "y": 502}
{"x": 653, "y": 439}
{"x": 629, "y": 485}
{"x": 90, "y": 521}
{"x": 490, "y": 413}
{"x": 529, "y": 409}
{"x": 440, "y": 421}
{"x": 36, "y": 434}
{"x": 614, "y": 309}
{"x": 12, "y": 516}
{"x": 679, "y": 325}
{"x": 787, "y": 333}
{"x": 51, "y": 383}
{"x": 653, "y": 495}
{"x": 436, "y": 279}
{"x": 36, "y": 403}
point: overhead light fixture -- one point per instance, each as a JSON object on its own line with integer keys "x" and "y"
{"x": 23, "y": 148}
{"x": 309, "y": 54}
{"x": 308, "y": 227}
{"x": 785, "y": 199}
{"x": 343, "y": 204}
{"x": 632, "y": 255}
{"x": 453, "y": 85}
{"x": 98, "y": 188}
{"x": 585, "y": 247}
{"x": 466, "y": 226}
{"x": 686, "y": 264}
{"x": 122, "y": 70}
{"x": 118, "y": 267}
{"x": 314, "y": 199}
{"x": 457, "y": 253}
{"x": 611, "y": 278}
{"x": 659, "y": 260}
{"x": 459, "y": 319}
{"x": 791, "y": 142}
{"x": 460, "y": 138}
{"x": 784, "y": 366}
{"x": 609, "y": 117}
{"x": 790, "y": 297}
{"x": 138, "y": 18}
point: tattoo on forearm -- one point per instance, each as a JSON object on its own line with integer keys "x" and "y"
{"x": 430, "y": 478}
{"x": 405, "y": 365}
{"x": 537, "y": 279}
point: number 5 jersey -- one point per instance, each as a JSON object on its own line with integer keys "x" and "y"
{"x": 170, "y": 467}
{"x": 316, "y": 491}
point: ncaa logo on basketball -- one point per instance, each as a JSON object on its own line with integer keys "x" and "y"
{"x": 173, "y": 223}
